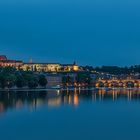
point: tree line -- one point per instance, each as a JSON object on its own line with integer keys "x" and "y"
{"x": 80, "y": 78}
{"x": 10, "y": 77}
{"x": 114, "y": 69}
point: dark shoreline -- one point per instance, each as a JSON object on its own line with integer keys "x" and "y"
{"x": 74, "y": 88}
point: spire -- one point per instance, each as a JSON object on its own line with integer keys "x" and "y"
{"x": 74, "y": 63}
{"x": 31, "y": 61}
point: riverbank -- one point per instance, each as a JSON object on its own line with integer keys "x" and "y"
{"x": 69, "y": 89}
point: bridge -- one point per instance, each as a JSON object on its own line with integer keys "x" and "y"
{"x": 118, "y": 83}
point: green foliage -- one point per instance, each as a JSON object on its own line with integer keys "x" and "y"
{"x": 118, "y": 70}
{"x": 67, "y": 80}
{"x": 83, "y": 78}
{"x": 21, "y": 82}
{"x": 7, "y": 80}
{"x": 10, "y": 77}
{"x": 32, "y": 84}
{"x": 31, "y": 79}
{"x": 64, "y": 80}
{"x": 42, "y": 81}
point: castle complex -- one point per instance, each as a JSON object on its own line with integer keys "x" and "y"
{"x": 46, "y": 67}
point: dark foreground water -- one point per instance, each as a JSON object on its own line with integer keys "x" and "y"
{"x": 70, "y": 115}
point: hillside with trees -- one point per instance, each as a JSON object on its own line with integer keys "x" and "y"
{"x": 10, "y": 77}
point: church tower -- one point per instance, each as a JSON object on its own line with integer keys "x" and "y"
{"x": 31, "y": 61}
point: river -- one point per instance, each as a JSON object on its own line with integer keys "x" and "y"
{"x": 70, "y": 115}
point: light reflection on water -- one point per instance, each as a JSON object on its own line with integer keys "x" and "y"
{"x": 56, "y": 98}
{"x": 70, "y": 115}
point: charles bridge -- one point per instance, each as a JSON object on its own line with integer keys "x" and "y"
{"x": 118, "y": 83}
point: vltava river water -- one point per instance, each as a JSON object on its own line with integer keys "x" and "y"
{"x": 70, "y": 115}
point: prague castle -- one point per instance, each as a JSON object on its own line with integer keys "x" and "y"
{"x": 46, "y": 67}
{"x": 49, "y": 67}
{"x": 40, "y": 67}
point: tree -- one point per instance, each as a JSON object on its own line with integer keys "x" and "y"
{"x": 20, "y": 82}
{"x": 64, "y": 80}
{"x": 83, "y": 78}
{"x": 11, "y": 80}
{"x": 2, "y": 81}
{"x": 31, "y": 79}
{"x": 7, "y": 80}
{"x": 42, "y": 81}
{"x": 32, "y": 84}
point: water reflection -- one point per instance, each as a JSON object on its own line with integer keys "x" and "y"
{"x": 55, "y": 98}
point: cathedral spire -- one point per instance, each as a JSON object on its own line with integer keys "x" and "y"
{"x": 31, "y": 61}
{"x": 74, "y": 63}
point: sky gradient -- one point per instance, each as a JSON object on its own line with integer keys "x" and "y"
{"x": 93, "y": 32}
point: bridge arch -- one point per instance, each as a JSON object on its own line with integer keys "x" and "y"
{"x": 130, "y": 84}
{"x": 114, "y": 84}
{"x": 100, "y": 84}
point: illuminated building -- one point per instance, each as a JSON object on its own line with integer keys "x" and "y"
{"x": 4, "y": 62}
{"x": 3, "y": 57}
{"x": 39, "y": 67}
{"x": 46, "y": 67}
{"x": 70, "y": 67}
{"x": 50, "y": 67}
{"x": 54, "y": 80}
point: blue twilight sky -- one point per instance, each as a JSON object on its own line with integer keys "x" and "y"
{"x": 94, "y": 32}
